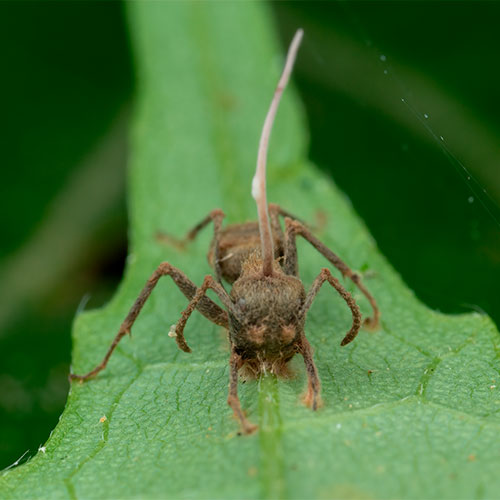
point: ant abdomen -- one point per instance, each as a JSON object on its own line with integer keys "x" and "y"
{"x": 237, "y": 243}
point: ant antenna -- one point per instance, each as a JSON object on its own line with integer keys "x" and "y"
{"x": 259, "y": 180}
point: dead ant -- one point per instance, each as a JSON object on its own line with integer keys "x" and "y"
{"x": 266, "y": 308}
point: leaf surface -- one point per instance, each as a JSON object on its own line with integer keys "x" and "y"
{"x": 410, "y": 411}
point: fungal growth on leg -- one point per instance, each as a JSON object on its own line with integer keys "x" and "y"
{"x": 266, "y": 308}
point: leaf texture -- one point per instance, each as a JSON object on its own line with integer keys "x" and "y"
{"x": 410, "y": 411}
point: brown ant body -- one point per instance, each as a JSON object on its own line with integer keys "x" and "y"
{"x": 265, "y": 310}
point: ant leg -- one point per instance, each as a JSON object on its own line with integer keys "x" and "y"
{"x": 214, "y": 215}
{"x": 274, "y": 212}
{"x": 235, "y": 363}
{"x": 278, "y": 236}
{"x": 326, "y": 275}
{"x": 294, "y": 227}
{"x": 217, "y": 216}
{"x": 284, "y": 213}
{"x": 177, "y": 330}
{"x": 291, "y": 264}
{"x": 278, "y": 210}
{"x": 208, "y": 308}
{"x": 312, "y": 398}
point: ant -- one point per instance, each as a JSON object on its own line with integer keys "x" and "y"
{"x": 265, "y": 311}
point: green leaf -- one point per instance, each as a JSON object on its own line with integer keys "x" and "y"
{"x": 410, "y": 411}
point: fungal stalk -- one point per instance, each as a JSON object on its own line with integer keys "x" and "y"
{"x": 259, "y": 180}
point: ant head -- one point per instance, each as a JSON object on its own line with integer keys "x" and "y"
{"x": 268, "y": 321}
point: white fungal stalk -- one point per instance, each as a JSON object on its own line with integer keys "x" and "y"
{"x": 259, "y": 180}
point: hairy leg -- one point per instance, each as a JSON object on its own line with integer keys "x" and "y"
{"x": 278, "y": 210}
{"x": 326, "y": 275}
{"x": 235, "y": 363}
{"x": 312, "y": 398}
{"x": 294, "y": 227}
{"x": 197, "y": 299}
{"x": 207, "y": 307}
{"x": 274, "y": 212}
{"x": 216, "y": 216}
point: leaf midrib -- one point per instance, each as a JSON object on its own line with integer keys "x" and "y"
{"x": 271, "y": 477}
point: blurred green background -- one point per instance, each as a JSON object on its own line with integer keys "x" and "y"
{"x": 67, "y": 90}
